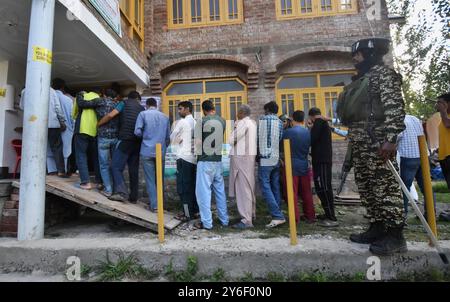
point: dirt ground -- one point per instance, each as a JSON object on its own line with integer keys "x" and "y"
{"x": 92, "y": 224}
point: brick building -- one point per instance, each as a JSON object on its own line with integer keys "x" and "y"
{"x": 255, "y": 51}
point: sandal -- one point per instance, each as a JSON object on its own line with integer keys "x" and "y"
{"x": 199, "y": 226}
{"x": 181, "y": 217}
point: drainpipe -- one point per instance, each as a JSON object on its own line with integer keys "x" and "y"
{"x": 34, "y": 139}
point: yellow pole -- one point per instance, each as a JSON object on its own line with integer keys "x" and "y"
{"x": 429, "y": 202}
{"x": 290, "y": 191}
{"x": 159, "y": 191}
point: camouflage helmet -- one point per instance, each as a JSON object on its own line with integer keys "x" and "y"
{"x": 378, "y": 45}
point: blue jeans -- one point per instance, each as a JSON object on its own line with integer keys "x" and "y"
{"x": 84, "y": 145}
{"x": 126, "y": 153}
{"x": 149, "y": 165}
{"x": 106, "y": 147}
{"x": 269, "y": 180}
{"x": 209, "y": 177}
{"x": 410, "y": 169}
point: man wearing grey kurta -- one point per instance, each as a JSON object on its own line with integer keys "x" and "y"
{"x": 243, "y": 142}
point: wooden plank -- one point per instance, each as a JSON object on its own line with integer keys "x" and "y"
{"x": 133, "y": 213}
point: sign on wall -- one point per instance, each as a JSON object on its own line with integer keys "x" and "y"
{"x": 110, "y": 11}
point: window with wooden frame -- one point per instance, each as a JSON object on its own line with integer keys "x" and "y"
{"x": 226, "y": 94}
{"x": 304, "y": 91}
{"x": 132, "y": 13}
{"x": 196, "y": 13}
{"x": 292, "y": 9}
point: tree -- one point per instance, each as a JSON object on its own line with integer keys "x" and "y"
{"x": 421, "y": 55}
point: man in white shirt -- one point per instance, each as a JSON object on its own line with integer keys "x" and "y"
{"x": 56, "y": 125}
{"x": 182, "y": 141}
{"x": 408, "y": 149}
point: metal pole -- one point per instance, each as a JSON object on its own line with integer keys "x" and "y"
{"x": 429, "y": 202}
{"x": 159, "y": 191}
{"x": 34, "y": 139}
{"x": 290, "y": 191}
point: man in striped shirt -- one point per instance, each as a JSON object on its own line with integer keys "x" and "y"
{"x": 270, "y": 132}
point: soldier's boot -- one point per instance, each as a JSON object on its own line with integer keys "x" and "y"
{"x": 375, "y": 232}
{"x": 393, "y": 242}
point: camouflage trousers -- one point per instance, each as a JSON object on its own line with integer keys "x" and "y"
{"x": 379, "y": 190}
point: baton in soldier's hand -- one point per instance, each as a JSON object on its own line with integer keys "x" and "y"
{"x": 418, "y": 213}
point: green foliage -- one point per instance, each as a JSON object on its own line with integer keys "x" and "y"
{"x": 440, "y": 187}
{"x": 275, "y": 277}
{"x": 321, "y": 277}
{"x": 188, "y": 275}
{"x": 85, "y": 270}
{"x": 424, "y": 63}
{"x": 248, "y": 277}
{"x": 219, "y": 275}
{"x": 124, "y": 267}
{"x": 432, "y": 275}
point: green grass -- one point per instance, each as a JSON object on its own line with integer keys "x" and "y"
{"x": 219, "y": 276}
{"x": 322, "y": 277}
{"x": 440, "y": 190}
{"x": 275, "y": 277}
{"x": 126, "y": 266}
{"x": 440, "y": 187}
{"x": 187, "y": 275}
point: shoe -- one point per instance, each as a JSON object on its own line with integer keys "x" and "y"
{"x": 132, "y": 201}
{"x": 241, "y": 226}
{"x": 375, "y": 232}
{"x": 181, "y": 217}
{"x": 117, "y": 197}
{"x": 199, "y": 226}
{"x": 63, "y": 175}
{"x": 275, "y": 223}
{"x": 328, "y": 223}
{"x": 86, "y": 186}
{"x": 393, "y": 242}
{"x": 100, "y": 187}
{"x": 148, "y": 208}
{"x": 106, "y": 194}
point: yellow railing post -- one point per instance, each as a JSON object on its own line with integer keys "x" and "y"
{"x": 429, "y": 201}
{"x": 290, "y": 191}
{"x": 159, "y": 193}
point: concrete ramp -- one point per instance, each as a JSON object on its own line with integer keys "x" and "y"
{"x": 68, "y": 188}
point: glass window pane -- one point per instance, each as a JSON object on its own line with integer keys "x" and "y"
{"x": 232, "y": 9}
{"x": 214, "y": 10}
{"x": 286, "y": 7}
{"x": 306, "y": 6}
{"x": 223, "y": 86}
{"x": 298, "y": 82}
{"x": 177, "y": 11}
{"x": 186, "y": 88}
{"x": 233, "y": 111}
{"x": 333, "y": 80}
{"x": 137, "y": 12}
{"x": 326, "y": 5}
{"x": 196, "y": 11}
{"x": 346, "y": 4}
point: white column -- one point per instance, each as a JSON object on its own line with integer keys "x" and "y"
{"x": 32, "y": 173}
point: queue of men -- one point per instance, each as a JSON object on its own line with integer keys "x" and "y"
{"x": 110, "y": 134}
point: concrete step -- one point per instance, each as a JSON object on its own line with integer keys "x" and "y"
{"x": 237, "y": 256}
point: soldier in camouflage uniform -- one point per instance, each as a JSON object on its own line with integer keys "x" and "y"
{"x": 373, "y": 108}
